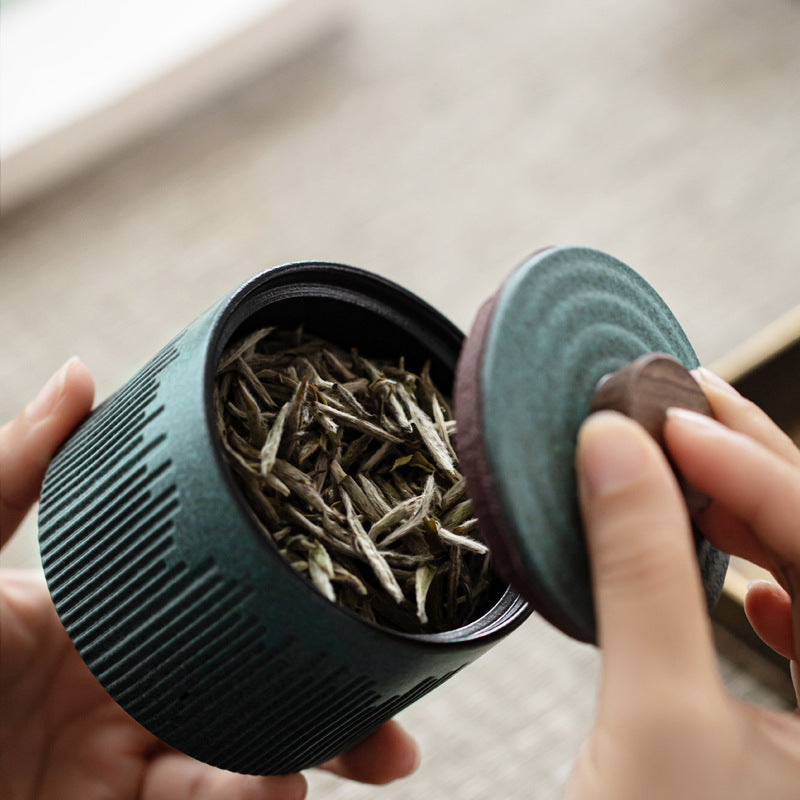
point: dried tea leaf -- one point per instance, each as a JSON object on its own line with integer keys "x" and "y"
{"x": 464, "y": 542}
{"x": 269, "y": 452}
{"x": 401, "y": 512}
{"x": 359, "y": 497}
{"x": 419, "y": 460}
{"x": 341, "y": 575}
{"x": 373, "y": 463}
{"x": 359, "y": 424}
{"x": 375, "y": 496}
{"x": 422, "y": 583}
{"x": 337, "y": 366}
{"x": 402, "y": 461}
{"x": 455, "y": 494}
{"x": 351, "y": 401}
{"x": 356, "y": 449}
{"x": 328, "y": 444}
{"x": 441, "y": 427}
{"x": 430, "y": 437}
{"x": 243, "y": 346}
{"x": 321, "y": 580}
{"x": 466, "y": 526}
{"x": 255, "y": 423}
{"x": 383, "y": 572}
{"x": 458, "y": 515}
{"x": 421, "y": 511}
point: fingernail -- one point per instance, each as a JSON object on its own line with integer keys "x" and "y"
{"x": 760, "y": 582}
{"x": 692, "y": 419}
{"x": 713, "y": 380}
{"x": 611, "y": 454}
{"x": 44, "y": 402}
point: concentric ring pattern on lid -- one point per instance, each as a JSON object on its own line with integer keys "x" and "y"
{"x": 564, "y": 319}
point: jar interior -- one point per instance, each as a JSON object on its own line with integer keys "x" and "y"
{"x": 379, "y": 330}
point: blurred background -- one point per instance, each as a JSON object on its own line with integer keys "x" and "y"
{"x": 153, "y": 162}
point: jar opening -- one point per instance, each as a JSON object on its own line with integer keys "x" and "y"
{"x": 386, "y": 333}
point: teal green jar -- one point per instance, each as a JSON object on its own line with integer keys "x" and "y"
{"x": 178, "y": 604}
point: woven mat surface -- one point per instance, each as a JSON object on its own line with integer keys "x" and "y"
{"x": 439, "y": 143}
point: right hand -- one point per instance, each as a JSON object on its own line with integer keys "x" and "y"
{"x": 666, "y": 726}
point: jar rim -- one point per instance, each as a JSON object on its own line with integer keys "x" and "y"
{"x": 368, "y": 295}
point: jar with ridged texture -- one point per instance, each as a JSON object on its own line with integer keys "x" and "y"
{"x": 173, "y": 597}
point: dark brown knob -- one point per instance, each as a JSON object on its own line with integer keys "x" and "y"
{"x": 643, "y": 390}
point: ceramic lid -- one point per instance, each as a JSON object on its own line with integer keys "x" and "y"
{"x": 525, "y": 380}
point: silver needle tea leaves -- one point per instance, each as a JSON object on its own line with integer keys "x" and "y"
{"x": 348, "y": 464}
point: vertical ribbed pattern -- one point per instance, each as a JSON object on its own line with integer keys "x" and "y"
{"x": 170, "y": 638}
{"x": 109, "y": 445}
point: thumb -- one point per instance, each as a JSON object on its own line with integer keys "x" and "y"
{"x": 28, "y": 442}
{"x": 651, "y": 618}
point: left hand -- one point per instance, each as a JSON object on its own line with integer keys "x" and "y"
{"x": 62, "y": 737}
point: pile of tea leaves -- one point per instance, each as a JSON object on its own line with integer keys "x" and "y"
{"x": 349, "y": 466}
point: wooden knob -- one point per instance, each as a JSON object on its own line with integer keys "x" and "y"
{"x": 643, "y": 390}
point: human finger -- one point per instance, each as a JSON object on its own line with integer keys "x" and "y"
{"x": 174, "y": 776}
{"x": 28, "y": 442}
{"x": 744, "y": 476}
{"x": 739, "y": 414}
{"x": 387, "y": 754}
{"x": 729, "y": 533}
{"x": 651, "y": 611}
{"x": 769, "y": 610}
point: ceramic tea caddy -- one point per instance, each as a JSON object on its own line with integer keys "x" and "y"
{"x": 188, "y": 615}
